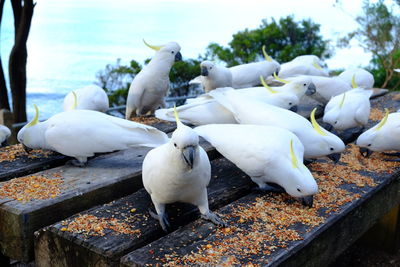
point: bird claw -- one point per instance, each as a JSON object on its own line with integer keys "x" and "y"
{"x": 77, "y": 163}
{"x": 212, "y": 217}
{"x": 270, "y": 188}
{"x": 162, "y": 219}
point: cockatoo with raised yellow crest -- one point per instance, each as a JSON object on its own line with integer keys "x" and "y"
{"x": 81, "y": 133}
{"x": 363, "y": 78}
{"x": 267, "y": 154}
{"x": 150, "y": 85}
{"x": 248, "y": 75}
{"x": 178, "y": 171}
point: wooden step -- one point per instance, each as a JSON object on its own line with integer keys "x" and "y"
{"x": 55, "y": 247}
{"x": 105, "y": 178}
{"x": 271, "y": 229}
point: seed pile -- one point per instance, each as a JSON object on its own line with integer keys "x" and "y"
{"x": 148, "y": 120}
{"x": 259, "y": 228}
{"x": 376, "y": 114}
{"x": 11, "y": 153}
{"x": 90, "y": 225}
{"x": 31, "y": 187}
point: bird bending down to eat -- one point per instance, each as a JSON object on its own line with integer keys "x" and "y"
{"x": 178, "y": 171}
{"x": 267, "y": 154}
{"x": 384, "y": 136}
{"x": 81, "y": 133}
{"x": 150, "y": 85}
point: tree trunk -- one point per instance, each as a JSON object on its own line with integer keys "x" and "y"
{"x": 18, "y": 56}
{"x": 4, "y": 104}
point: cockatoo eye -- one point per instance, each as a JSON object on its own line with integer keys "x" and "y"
{"x": 298, "y": 189}
{"x": 210, "y": 68}
{"x": 369, "y": 144}
{"x": 290, "y": 103}
{"x": 172, "y": 52}
{"x": 335, "y": 122}
{"x": 305, "y": 84}
{"x": 174, "y": 144}
{"x": 332, "y": 149}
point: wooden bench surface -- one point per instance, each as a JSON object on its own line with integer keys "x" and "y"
{"x": 55, "y": 247}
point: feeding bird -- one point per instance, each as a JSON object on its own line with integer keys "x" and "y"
{"x": 206, "y": 110}
{"x": 317, "y": 141}
{"x": 248, "y": 75}
{"x": 363, "y": 78}
{"x": 267, "y": 154}
{"x": 214, "y": 76}
{"x": 178, "y": 171}
{"x": 384, "y": 136}
{"x": 302, "y": 65}
{"x": 349, "y": 109}
{"x": 4, "y": 134}
{"x": 82, "y": 133}
{"x": 91, "y": 97}
{"x": 150, "y": 85}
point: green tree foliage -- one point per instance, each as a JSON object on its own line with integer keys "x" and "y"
{"x": 378, "y": 33}
{"x": 284, "y": 40}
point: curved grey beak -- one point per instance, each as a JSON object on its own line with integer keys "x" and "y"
{"x": 293, "y": 108}
{"x": 334, "y": 157}
{"x": 178, "y": 56}
{"x": 307, "y": 201}
{"x": 311, "y": 89}
{"x": 204, "y": 71}
{"x": 188, "y": 155}
{"x": 365, "y": 152}
{"x": 27, "y": 149}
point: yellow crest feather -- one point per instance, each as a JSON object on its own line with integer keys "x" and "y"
{"x": 316, "y": 65}
{"x": 342, "y": 102}
{"x": 35, "y": 119}
{"x": 293, "y": 156}
{"x": 267, "y": 58}
{"x": 272, "y": 91}
{"x": 154, "y": 47}
{"x": 75, "y": 104}
{"x": 176, "y": 115}
{"x": 315, "y": 123}
{"x": 383, "y": 121}
{"x": 353, "y": 81}
{"x": 280, "y": 79}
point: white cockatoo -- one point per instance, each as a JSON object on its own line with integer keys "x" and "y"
{"x": 349, "y": 109}
{"x": 214, "y": 76}
{"x": 248, "y": 75}
{"x": 5, "y": 133}
{"x": 326, "y": 87}
{"x": 91, "y": 97}
{"x": 385, "y": 136}
{"x": 82, "y": 133}
{"x": 267, "y": 154}
{"x": 150, "y": 85}
{"x": 317, "y": 141}
{"x": 362, "y": 77}
{"x": 178, "y": 171}
{"x": 300, "y": 86}
{"x": 302, "y": 65}
{"x": 205, "y": 110}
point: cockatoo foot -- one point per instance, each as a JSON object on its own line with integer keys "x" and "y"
{"x": 163, "y": 219}
{"x": 77, "y": 163}
{"x": 270, "y": 188}
{"x": 212, "y": 217}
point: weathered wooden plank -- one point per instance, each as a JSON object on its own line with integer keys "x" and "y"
{"x": 25, "y": 164}
{"x": 54, "y": 247}
{"x": 318, "y": 245}
{"x": 106, "y": 178}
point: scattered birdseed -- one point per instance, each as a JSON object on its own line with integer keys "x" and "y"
{"x": 261, "y": 227}
{"x": 90, "y": 225}
{"x": 148, "y": 120}
{"x": 31, "y": 187}
{"x": 11, "y": 153}
{"x": 376, "y": 114}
